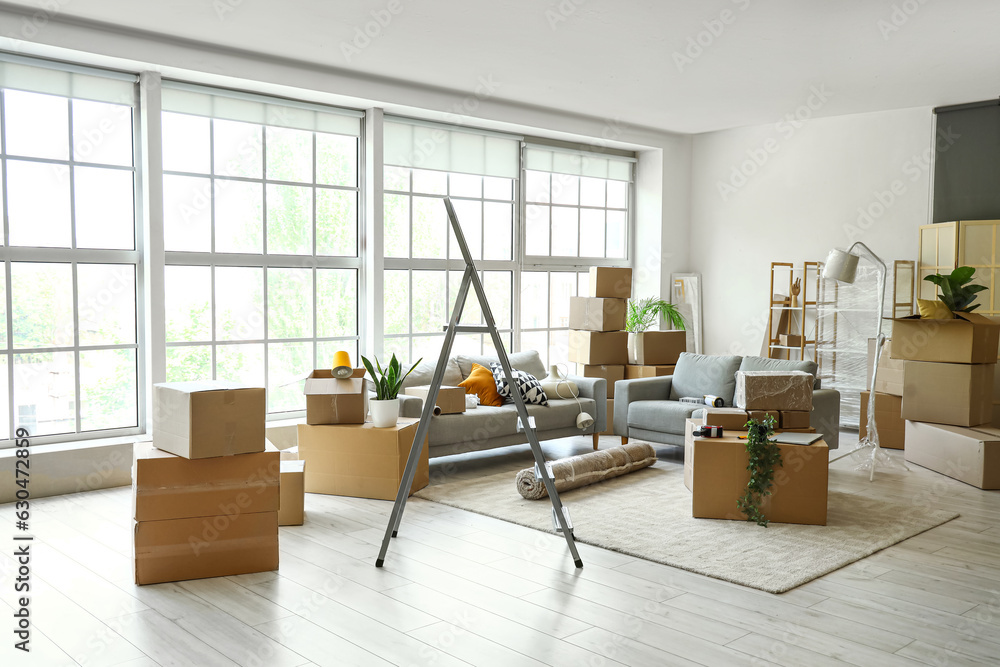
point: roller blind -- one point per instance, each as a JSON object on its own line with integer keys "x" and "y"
{"x": 578, "y": 163}
{"x": 446, "y": 148}
{"x": 252, "y": 108}
{"x": 967, "y": 163}
{"x": 67, "y": 80}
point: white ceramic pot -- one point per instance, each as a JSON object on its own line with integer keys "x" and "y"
{"x": 384, "y": 413}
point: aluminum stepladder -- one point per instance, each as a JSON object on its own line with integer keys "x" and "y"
{"x": 470, "y": 277}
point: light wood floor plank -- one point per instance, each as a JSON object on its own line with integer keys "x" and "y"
{"x": 319, "y": 645}
{"x": 472, "y": 648}
{"x": 167, "y": 643}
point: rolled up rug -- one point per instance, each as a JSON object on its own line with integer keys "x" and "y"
{"x": 577, "y": 471}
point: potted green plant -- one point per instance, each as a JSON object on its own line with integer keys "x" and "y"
{"x": 956, "y": 292}
{"x": 654, "y": 347}
{"x": 385, "y": 405}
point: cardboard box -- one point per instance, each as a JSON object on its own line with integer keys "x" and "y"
{"x": 761, "y": 415}
{"x": 656, "y": 348}
{"x": 200, "y": 420}
{"x": 717, "y": 471}
{"x": 359, "y": 459}
{"x": 968, "y": 339}
{"x": 293, "y": 493}
{"x": 789, "y": 419}
{"x": 632, "y": 371}
{"x": 596, "y": 313}
{"x": 888, "y": 419}
{"x": 201, "y": 547}
{"x": 610, "y": 283}
{"x": 730, "y": 419}
{"x": 166, "y": 486}
{"x": 956, "y": 394}
{"x": 330, "y": 400}
{"x": 611, "y": 374}
{"x": 970, "y": 455}
{"x": 774, "y": 390}
{"x": 451, "y": 400}
{"x": 596, "y": 348}
{"x": 890, "y": 371}
{"x": 610, "y": 430}
{"x": 790, "y": 340}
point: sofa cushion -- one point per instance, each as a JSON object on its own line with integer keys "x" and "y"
{"x": 700, "y": 374}
{"x": 527, "y": 361}
{"x": 559, "y": 413}
{"x": 421, "y": 375}
{"x": 481, "y": 383}
{"x": 527, "y": 385}
{"x": 474, "y": 427}
{"x": 762, "y": 364}
{"x": 661, "y": 416}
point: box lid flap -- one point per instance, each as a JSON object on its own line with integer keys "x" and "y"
{"x": 196, "y": 386}
{"x": 316, "y": 385}
{"x": 971, "y": 318}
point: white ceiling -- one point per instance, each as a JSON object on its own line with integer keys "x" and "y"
{"x": 616, "y": 59}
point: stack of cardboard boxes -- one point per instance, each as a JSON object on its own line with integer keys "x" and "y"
{"x": 597, "y": 340}
{"x": 205, "y": 492}
{"x": 347, "y": 457}
{"x": 948, "y": 388}
{"x": 715, "y": 469}
{"x": 601, "y": 347}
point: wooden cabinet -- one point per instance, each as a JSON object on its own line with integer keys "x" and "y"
{"x": 975, "y": 243}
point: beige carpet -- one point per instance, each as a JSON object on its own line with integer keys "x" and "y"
{"x": 648, "y": 514}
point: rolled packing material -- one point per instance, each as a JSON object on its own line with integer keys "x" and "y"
{"x": 577, "y": 471}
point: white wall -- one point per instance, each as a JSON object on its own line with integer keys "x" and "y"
{"x": 790, "y": 192}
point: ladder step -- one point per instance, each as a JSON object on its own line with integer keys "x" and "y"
{"x": 469, "y": 329}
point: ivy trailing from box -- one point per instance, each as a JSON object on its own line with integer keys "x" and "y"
{"x": 763, "y": 456}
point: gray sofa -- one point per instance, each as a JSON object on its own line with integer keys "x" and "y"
{"x": 487, "y": 427}
{"x": 648, "y": 408}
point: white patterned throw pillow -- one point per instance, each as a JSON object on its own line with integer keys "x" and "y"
{"x": 527, "y": 384}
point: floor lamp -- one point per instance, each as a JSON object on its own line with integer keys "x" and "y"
{"x": 842, "y": 266}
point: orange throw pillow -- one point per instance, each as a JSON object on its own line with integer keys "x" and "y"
{"x": 481, "y": 383}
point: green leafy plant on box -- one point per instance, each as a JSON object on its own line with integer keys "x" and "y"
{"x": 956, "y": 292}
{"x": 763, "y": 456}
{"x": 644, "y": 313}
{"x": 389, "y": 381}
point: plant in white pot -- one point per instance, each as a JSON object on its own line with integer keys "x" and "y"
{"x": 653, "y": 348}
{"x": 385, "y": 405}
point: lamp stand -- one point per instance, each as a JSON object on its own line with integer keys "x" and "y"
{"x": 868, "y": 455}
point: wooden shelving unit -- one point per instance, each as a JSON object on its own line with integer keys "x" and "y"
{"x": 785, "y": 308}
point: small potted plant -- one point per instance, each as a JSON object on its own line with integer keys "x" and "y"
{"x": 956, "y": 292}
{"x": 385, "y": 405}
{"x": 654, "y": 347}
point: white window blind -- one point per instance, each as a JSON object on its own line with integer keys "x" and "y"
{"x": 68, "y": 81}
{"x": 422, "y": 145}
{"x": 578, "y": 163}
{"x": 250, "y": 108}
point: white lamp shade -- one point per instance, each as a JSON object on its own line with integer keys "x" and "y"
{"x": 841, "y": 265}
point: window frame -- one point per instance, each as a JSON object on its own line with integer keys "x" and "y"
{"x": 74, "y": 257}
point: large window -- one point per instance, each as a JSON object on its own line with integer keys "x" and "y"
{"x": 576, "y": 215}
{"x": 70, "y": 361}
{"x": 423, "y": 264}
{"x": 262, "y": 237}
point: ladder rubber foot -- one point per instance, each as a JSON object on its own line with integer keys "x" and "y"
{"x": 394, "y": 533}
{"x": 579, "y": 562}
{"x": 379, "y": 562}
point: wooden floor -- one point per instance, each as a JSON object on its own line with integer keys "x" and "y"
{"x": 459, "y": 588}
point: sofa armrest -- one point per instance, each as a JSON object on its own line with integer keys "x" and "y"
{"x": 597, "y": 389}
{"x": 825, "y": 416}
{"x": 641, "y": 389}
